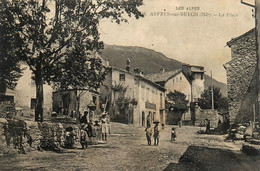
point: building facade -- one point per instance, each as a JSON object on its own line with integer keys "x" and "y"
{"x": 133, "y": 98}
{"x": 241, "y": 77}
{"x": 24, "y": 95}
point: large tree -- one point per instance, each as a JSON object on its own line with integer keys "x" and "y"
{"x": 177, "y": 105}
{"x": 220, "y": 102}
{"x": 177, "y": 102}
{"x": 57, "y": 35}
{"x": 10, "y": 50}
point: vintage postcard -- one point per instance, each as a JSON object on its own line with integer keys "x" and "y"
{"x": 129, "y": 85}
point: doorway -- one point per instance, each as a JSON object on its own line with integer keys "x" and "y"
{"x": 143, "y": 119}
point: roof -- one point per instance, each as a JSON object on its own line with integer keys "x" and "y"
{"x": 141, "y": 78}
{"x": 162, "y": 77}
{"x": 150, "y": 82}
{"x": 233, "y": 40}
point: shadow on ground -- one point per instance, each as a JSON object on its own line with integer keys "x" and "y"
{"x": 204, "y": 158}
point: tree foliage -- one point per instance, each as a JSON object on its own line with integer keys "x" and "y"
{"x": 220, "y": 102}
{"x": 59, "y": 39}
{"x": 10, "y": 50}
{"x": 178, "y": 101}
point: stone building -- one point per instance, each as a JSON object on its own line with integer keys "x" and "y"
{"x": 67, "y": 102}
{"x": 189, "y": 80}
{"x": 132, "y": 98}
{"x": 241, "y": 77}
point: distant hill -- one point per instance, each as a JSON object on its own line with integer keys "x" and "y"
{"x": 149, "y": 61}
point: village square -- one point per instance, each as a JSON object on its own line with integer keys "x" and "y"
{"x": 69, "y": 101}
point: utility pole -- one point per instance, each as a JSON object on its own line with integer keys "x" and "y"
{"x": 257, "y": 22}
{"x": 212, "y": 91}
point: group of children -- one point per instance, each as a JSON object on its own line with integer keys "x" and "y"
{"x": 155, "y": 132}
{"x": 90, "y": 132}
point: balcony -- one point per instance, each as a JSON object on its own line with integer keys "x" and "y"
{"x": 149, "y": 105}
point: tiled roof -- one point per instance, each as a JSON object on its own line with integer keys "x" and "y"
{"x": 142, "y": 78}
{"x": 162, "y": 77}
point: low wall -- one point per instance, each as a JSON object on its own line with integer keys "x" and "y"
{"x": 203, "y": 114}
{"x": 23, "y": 136}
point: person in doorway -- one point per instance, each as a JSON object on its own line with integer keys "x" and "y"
{"x": 156, "y": 133}
{"x": 148, "y": 131}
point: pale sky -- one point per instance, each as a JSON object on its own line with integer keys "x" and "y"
{"x": 197, "y": 40}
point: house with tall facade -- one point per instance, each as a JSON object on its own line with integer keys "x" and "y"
{"x": 189, "y": 80}
{"x": 241, "y": 77}
{"x": 133, "y": 98}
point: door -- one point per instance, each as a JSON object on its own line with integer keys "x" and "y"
{"x": 143, "y": 119}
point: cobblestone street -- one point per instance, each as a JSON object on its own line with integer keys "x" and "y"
{"x": 127, "y": 149}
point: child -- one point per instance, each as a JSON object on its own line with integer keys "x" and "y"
{"x": 148, "y": 131}
{"x": 173, "y": 133}
{"x": 83, "y": 138}
{"x": 104, "y": 129}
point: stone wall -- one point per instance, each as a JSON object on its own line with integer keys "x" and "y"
{"x": 7, "y": 109}
{"x": 24, "y": 136}
{"x": 203, "y": 114}
{"x": 240, "y": 76}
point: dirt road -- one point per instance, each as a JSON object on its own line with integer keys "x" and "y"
{"x": 127, "y": 149}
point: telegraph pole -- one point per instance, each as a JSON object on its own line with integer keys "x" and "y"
{"x": 212, "y": 91}
{"x": 257, "y": 22}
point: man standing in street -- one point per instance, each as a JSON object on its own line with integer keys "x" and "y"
{"x": 156, "y": 133}
{"x": 148, "y": 131}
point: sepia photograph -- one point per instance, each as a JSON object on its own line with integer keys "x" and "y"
{"x": 116, "y": 85}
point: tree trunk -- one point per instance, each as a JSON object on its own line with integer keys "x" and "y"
{"x": 39, "y": 94}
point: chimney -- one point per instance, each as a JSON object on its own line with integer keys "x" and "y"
{"x": 138, "y": 71}
{"x": 128, "y": 65}
{"x": 162, "y": 70}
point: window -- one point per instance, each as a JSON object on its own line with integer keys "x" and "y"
{"x": 33, "y": 103}
{"x": 143, "y": 92}
{"x": 173, "y": 80}
{"x": 122, "y": 77}
{"x": 201, "y": 76}
{"x": 180, "y": 79}
{"x": 147, "y": 94}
